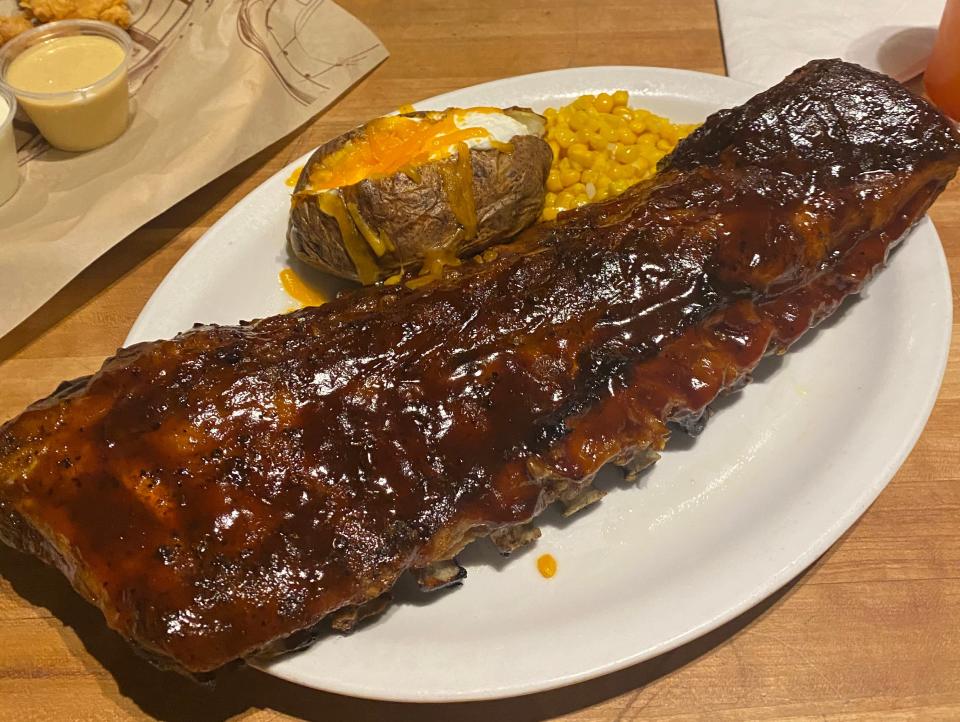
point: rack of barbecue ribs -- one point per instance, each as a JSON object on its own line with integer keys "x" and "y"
{"x": 231, "y": 491}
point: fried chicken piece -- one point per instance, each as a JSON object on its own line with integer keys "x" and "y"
{"x": 111, "y": 11}
{"x": 12, "y": 25}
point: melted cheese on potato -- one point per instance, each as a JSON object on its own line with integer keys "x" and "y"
{"x": 400, "y": 143}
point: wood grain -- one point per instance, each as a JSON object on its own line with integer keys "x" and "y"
{"x": 869, "y": 632}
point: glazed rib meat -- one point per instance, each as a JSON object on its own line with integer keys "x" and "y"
{"x": 220, "y": 494}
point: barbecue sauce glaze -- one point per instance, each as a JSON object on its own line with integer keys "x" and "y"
{"x": 229, "y": 487}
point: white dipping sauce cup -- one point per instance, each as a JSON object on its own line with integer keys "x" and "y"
{"x": 82, "y": 118}
{"x": 9, "y": 174}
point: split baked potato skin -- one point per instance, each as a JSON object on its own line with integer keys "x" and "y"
{"x": 414, "y": 212}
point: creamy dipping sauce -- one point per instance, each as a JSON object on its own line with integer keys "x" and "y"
{"x": 9, "y": 175}
{"x": 88, "y": 101}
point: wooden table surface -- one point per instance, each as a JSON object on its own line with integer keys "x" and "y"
{"x": 871, "y": 630}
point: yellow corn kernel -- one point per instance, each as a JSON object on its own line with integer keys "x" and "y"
{"x": 621, "y": 98}
{"x": 610, "y": 124}
{"x": 550, "y": 198}
{"x": 626, "y": 136}
{"x": 623, "y": 171}
{"x": 555, "y": 147}
{"x": 569, "y": 176}
{"x": 670, "y": 133}
{"x": 593, "y": 123}
{"x": 619, "y": 186}
{"x": 616, "y": 172}
{"x": 638, "y": 126}
{"x": 648, "y": 139}
{"x": 579, "y": 153}
{"x": 564, "y": 137}
{"x": 584, "y": 102}
{"x": 598, "y": 142}
{"x": 603, "y": 103}
{"x": 641, "y": 165}
{"x": 603, "y": 182}
{"x": 627, "y": 153}
{"x": 589, "y": 176}
{"x": 565, "y": 200}
{"x": 553, "y": 181}
{"x": 609, "y": 133}
{"x": 623, "y": 113}
{"x": 549, "y": 214}
{"x": 601, "y": 195}
{"x": 577, "y": 188}
{"x": 611, "y": 172}
{"x": 666, "y": 145}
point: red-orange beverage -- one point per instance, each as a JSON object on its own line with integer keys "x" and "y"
{"x": 942, "y": 77}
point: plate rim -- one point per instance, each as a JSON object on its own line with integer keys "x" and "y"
{"x": 769, "y": 585}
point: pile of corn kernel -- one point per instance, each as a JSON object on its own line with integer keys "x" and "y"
{"x": 601, "y": 147}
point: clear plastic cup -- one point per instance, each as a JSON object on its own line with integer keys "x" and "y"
{"x": 79, "y": 118}
{"x": 9, "y": 173}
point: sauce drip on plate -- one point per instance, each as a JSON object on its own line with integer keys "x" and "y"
{"x": 299, "y": 290}
{"x": 546, "y": 565}
{"x": 291, "y": 181}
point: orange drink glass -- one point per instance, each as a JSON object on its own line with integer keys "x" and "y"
{"x": 942, "y": 78}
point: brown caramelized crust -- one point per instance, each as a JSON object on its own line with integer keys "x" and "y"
{"x": 223, "y": 490}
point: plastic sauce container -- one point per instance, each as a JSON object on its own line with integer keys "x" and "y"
{"x": 71, "y": 79}
{"x": 9, "y": 174}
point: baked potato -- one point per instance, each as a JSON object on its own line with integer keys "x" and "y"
{"x": 418, "y": 191}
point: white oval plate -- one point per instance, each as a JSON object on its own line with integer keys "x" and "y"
{"x": 779, "y": 474}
